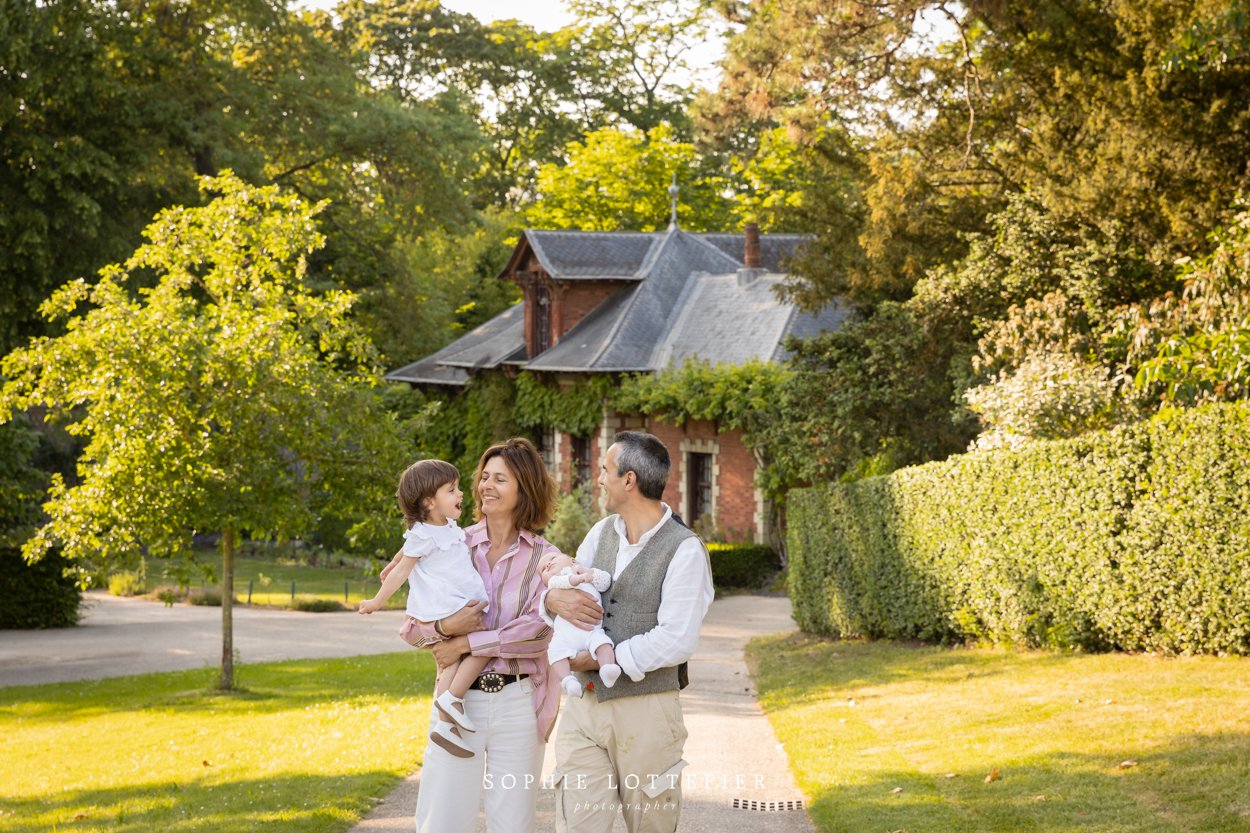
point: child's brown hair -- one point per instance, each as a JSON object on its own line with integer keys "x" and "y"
{"x": 420, "y": 481}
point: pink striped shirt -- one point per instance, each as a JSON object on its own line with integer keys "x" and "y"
{"x": 514, "y": 634}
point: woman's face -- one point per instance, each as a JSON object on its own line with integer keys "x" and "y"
{"x": 497, "y": 490}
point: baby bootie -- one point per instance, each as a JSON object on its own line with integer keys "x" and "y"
{"x": 444, "y": 735}
{"x": 609, "y": 674}
{"x": 451, "y": 708}
{"x": 571, "y": 686}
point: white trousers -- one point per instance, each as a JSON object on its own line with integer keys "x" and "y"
{"x": 505, "y": 771}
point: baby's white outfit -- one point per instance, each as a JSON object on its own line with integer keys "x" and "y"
{"x": 443, "y": 579}
{"x": 568, "y": 640}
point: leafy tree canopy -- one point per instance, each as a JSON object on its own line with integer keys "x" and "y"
{"x": 225, "y": 397}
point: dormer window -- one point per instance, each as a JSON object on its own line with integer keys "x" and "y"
{"x": 542, "y": 318}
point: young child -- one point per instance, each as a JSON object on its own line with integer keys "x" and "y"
{"x": 558, "y": 570}
{"x": 439, "y": 570}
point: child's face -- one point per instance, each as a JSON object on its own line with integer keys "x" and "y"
{"x": 445, "y": 505}
{"x": 552, "y": 564}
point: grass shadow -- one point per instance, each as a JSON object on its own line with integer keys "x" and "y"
{"x": 264, "y": 687}
{"x": 286, "y": 802}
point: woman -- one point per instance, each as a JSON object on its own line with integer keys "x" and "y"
{"x": 513, "y": 704}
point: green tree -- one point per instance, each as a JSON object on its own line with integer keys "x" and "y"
{"x": 639, "y": 68}
{"x": 619, "y": 179}
{"x": 227, "y": 397}
{"x": 953, "y": 107}
{"x": 868, "y": 398}
{"x": 1201, "y": 336}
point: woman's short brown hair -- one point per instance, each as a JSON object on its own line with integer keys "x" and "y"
{"x": 419, "y": 481}
{"x": 536, "y": 491}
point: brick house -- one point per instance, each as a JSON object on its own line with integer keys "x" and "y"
{"x": 627, "y": 302}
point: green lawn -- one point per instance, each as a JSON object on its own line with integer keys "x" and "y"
{"x": 891, "y": 737}
{"x": 271, "y": 580}
{"x": 306, "y": 747}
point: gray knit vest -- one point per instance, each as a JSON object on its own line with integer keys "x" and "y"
{"x": 632, "y": 604}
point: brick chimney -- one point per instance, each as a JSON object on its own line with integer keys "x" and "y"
{"x": 751, "y": 250}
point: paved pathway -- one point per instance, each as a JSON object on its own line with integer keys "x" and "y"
{"x": 119, "y": 637}
{"x": 732, "y": 751}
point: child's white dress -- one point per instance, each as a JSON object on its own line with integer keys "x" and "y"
{"x": 567, "y": 639}
{"x": 443, "y": 579}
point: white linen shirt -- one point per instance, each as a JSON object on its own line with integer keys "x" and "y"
{"x": 685, "y": 596}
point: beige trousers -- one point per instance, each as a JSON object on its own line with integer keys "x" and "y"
{"x": 623, "y": 754}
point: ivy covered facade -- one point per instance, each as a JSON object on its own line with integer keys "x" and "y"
{"x": 601, "y": 311}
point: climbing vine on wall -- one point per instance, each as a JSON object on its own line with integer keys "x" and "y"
{"x": 745, "y": 397}
{"x": 576, "y": 409}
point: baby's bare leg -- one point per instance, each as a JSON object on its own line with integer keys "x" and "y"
{"x": 445, "y": 676}
{"x": 561, "y": 669}
{"x": 609, "y": 671}
{"x": 605, "y": 655}
{"x": 468, "y": 669}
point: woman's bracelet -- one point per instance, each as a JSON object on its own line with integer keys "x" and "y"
{"x": 438, "y": 628}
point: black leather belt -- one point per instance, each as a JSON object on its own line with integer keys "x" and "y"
{"x": 490, "y": 682}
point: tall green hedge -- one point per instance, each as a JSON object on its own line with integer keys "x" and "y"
{"x": 1134, "y": 539}
{"x": 748, "y": 566}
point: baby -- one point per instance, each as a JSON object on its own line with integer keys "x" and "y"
{"x": 558, "y": 570}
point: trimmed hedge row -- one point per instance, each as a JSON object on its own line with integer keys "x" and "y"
{"x": 1132, "y": 539}
{"x": 36, "y": 595}
{"x": 742, "y": 565}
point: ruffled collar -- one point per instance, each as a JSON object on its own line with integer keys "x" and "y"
{"x": 444, "y": 537}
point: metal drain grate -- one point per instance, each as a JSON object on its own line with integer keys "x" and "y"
{"x": 766, "y": 806}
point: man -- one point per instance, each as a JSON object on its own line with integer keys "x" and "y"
{"x": 620, "y": 747}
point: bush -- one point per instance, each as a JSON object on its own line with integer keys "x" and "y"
{"x": 1131, "y": 539}
{"x": 571, "y": 521}
{"x": 36, "y": 595}
{"x": 749, "y": 566}
{"x": 313, "y": 604}
{"x": 206, "y": 597}
{"x": 126, "y": 583}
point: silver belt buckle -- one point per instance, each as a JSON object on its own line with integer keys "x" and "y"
{"x": 490, "y": 682}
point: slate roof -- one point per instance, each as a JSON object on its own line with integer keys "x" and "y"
{"x": 682, "y": 295}
{"x": 499, "y": 339}
{"x": 595, "y": 255}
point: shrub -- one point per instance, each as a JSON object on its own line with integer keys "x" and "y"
{"x": 571, "y": 521}
{"x": 1132, "y": 539}
{"x": 206, "y": 597}
{"x": 167, "y": 594}
{"x": 314, "y": 604}
{"x": 126, "y": 583}
{"x": 743, "y": 565}
{"x": 36, "y": 595}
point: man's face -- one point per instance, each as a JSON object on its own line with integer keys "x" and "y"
{"x": 612, "y": 484}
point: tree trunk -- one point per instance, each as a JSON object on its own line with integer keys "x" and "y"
{"x": 226, "y": 681}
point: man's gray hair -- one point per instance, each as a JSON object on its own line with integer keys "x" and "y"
{"x": 647, "y": 458}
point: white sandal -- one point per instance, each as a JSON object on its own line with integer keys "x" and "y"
{"x": 445, "y": 736}
{"x": 447, "y": 706}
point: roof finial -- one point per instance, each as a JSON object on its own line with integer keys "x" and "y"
{"x": 673, "y": 191}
